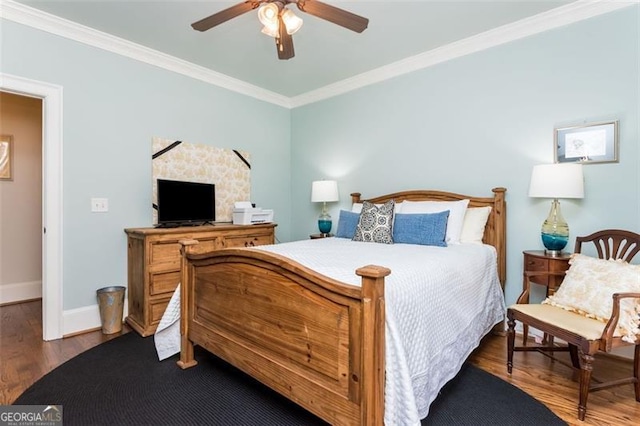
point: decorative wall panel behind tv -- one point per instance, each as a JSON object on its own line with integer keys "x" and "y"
{"x": 228, "y": 169}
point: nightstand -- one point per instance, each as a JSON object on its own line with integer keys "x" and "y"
{"x": 538, "y": 261}
{"x": 316, "y": 236}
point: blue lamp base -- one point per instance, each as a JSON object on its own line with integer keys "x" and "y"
{"x": 324, "y": 225}
{"x": 555, "y": 231}
{"x": 324, "y": 221}
{"x": 554, "y": 244}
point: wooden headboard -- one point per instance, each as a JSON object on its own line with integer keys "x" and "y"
{"x": 494, "y": 232}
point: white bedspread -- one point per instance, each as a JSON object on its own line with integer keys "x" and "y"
{"x": 440, "y": 301}
{"x": 167, "y": 335}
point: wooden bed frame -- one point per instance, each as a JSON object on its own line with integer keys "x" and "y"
{"x": 315, "y": 340}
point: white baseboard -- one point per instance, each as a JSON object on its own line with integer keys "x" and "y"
{"x": 11, "y": 293}
{"x": 83, "y": 319}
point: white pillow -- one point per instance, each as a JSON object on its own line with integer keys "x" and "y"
{"x": 475, "y": 220}
{"x": 457, "y": 209}
{"x": 357, "y": 207}
{"x": 588, "y": 287}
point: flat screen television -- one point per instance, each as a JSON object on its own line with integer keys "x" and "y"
{"x": 185, "y": 203}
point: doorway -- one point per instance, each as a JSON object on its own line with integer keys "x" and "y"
{"x": 51, "y": 95}
{"x": 20, "y": 198}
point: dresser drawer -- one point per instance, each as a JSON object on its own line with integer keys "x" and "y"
{"x": 157, "y": 308}
{"x": 168, "y": 252}
{"x": 247, "y": 241}
{"x": 205, "y": 246}
{"x": 163, "y": 282}
{"x": 164, "y": 252}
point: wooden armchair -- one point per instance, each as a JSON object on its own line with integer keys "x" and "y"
{"x": 584, "y": 336}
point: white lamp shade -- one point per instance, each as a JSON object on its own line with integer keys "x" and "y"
{"x": 270, "y": 30}
{"x": 291, "y": 21}
{"x": 324, "y": 191}
{"x": 557, "y": 181}
{"x": 268, "y": 14}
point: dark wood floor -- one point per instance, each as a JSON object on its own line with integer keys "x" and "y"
{"x": 25, "y": 357}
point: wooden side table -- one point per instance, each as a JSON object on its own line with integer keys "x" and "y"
{"x": 539, "y": 261}
{"x": 316, "y": 236}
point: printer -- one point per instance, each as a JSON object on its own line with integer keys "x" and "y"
{"x": 244, "y": 213}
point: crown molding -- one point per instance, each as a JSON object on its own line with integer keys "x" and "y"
{"x": 555, "y": 18}
{"x": 25, "y": 15}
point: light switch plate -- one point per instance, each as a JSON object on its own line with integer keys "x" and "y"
{"x": 99, "y": 205}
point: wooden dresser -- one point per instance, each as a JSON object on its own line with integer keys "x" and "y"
{"x": 153, "y": 263}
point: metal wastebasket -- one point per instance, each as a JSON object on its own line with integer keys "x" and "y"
{"x": 111, "y": 303}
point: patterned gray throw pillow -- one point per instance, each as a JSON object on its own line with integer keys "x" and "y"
{"x": 375, "y": 223}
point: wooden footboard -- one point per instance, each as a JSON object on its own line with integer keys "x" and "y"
{"x": 315, "y": 340}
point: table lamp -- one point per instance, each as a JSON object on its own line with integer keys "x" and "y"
{"x": 324, "y": 191}
{"x": 556, "y": 181}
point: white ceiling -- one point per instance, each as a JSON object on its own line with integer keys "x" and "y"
{"x": 325, "y": 53}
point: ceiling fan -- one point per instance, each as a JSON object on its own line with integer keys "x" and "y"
{"x": 280, "y": 22}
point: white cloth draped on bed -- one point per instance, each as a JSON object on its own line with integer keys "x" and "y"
{"x": 440, "y": 301}
{"x": 167, "y": 335}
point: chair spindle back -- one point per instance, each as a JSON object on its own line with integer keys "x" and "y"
{"x": 612, "y": 244}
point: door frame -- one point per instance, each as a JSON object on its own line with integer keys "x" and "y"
{"x": 51, "y": 95}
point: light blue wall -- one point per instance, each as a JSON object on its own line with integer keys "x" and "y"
{"x": 482, "y": 121}
{"x": 113, "y": 106}
{"x": 465, "y": 126}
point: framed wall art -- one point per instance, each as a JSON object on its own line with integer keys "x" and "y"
{"x": 589, "y": 143}
{"x": 6, "y": 157}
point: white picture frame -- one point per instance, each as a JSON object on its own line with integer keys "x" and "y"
{"x": 587, "y": 144}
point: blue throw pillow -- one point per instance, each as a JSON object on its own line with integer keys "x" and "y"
{"x": 429, "y": 229}
{"x": 347, "y": 224}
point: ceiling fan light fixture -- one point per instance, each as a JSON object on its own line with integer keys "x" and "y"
{"x": 268, "y": 14}
{"x": 270, "y": 30}
{"x": 291, "y": 21}
{"x": 280, "y": 23}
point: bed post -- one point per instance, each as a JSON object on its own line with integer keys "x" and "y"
{"x": 500, "y": 230}
{"x": 186, "y": 346}
{"x": 373, "y": 344}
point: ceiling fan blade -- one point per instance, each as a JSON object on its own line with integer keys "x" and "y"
{"x": 334, "y": 14}
{"x": 225, "y": 15}
{"x": 284, "y": 41}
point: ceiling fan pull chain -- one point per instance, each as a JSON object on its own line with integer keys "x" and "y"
{"x": 278, "y": 43}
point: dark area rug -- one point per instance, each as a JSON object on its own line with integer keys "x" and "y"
{"x": 121, "y": 382}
